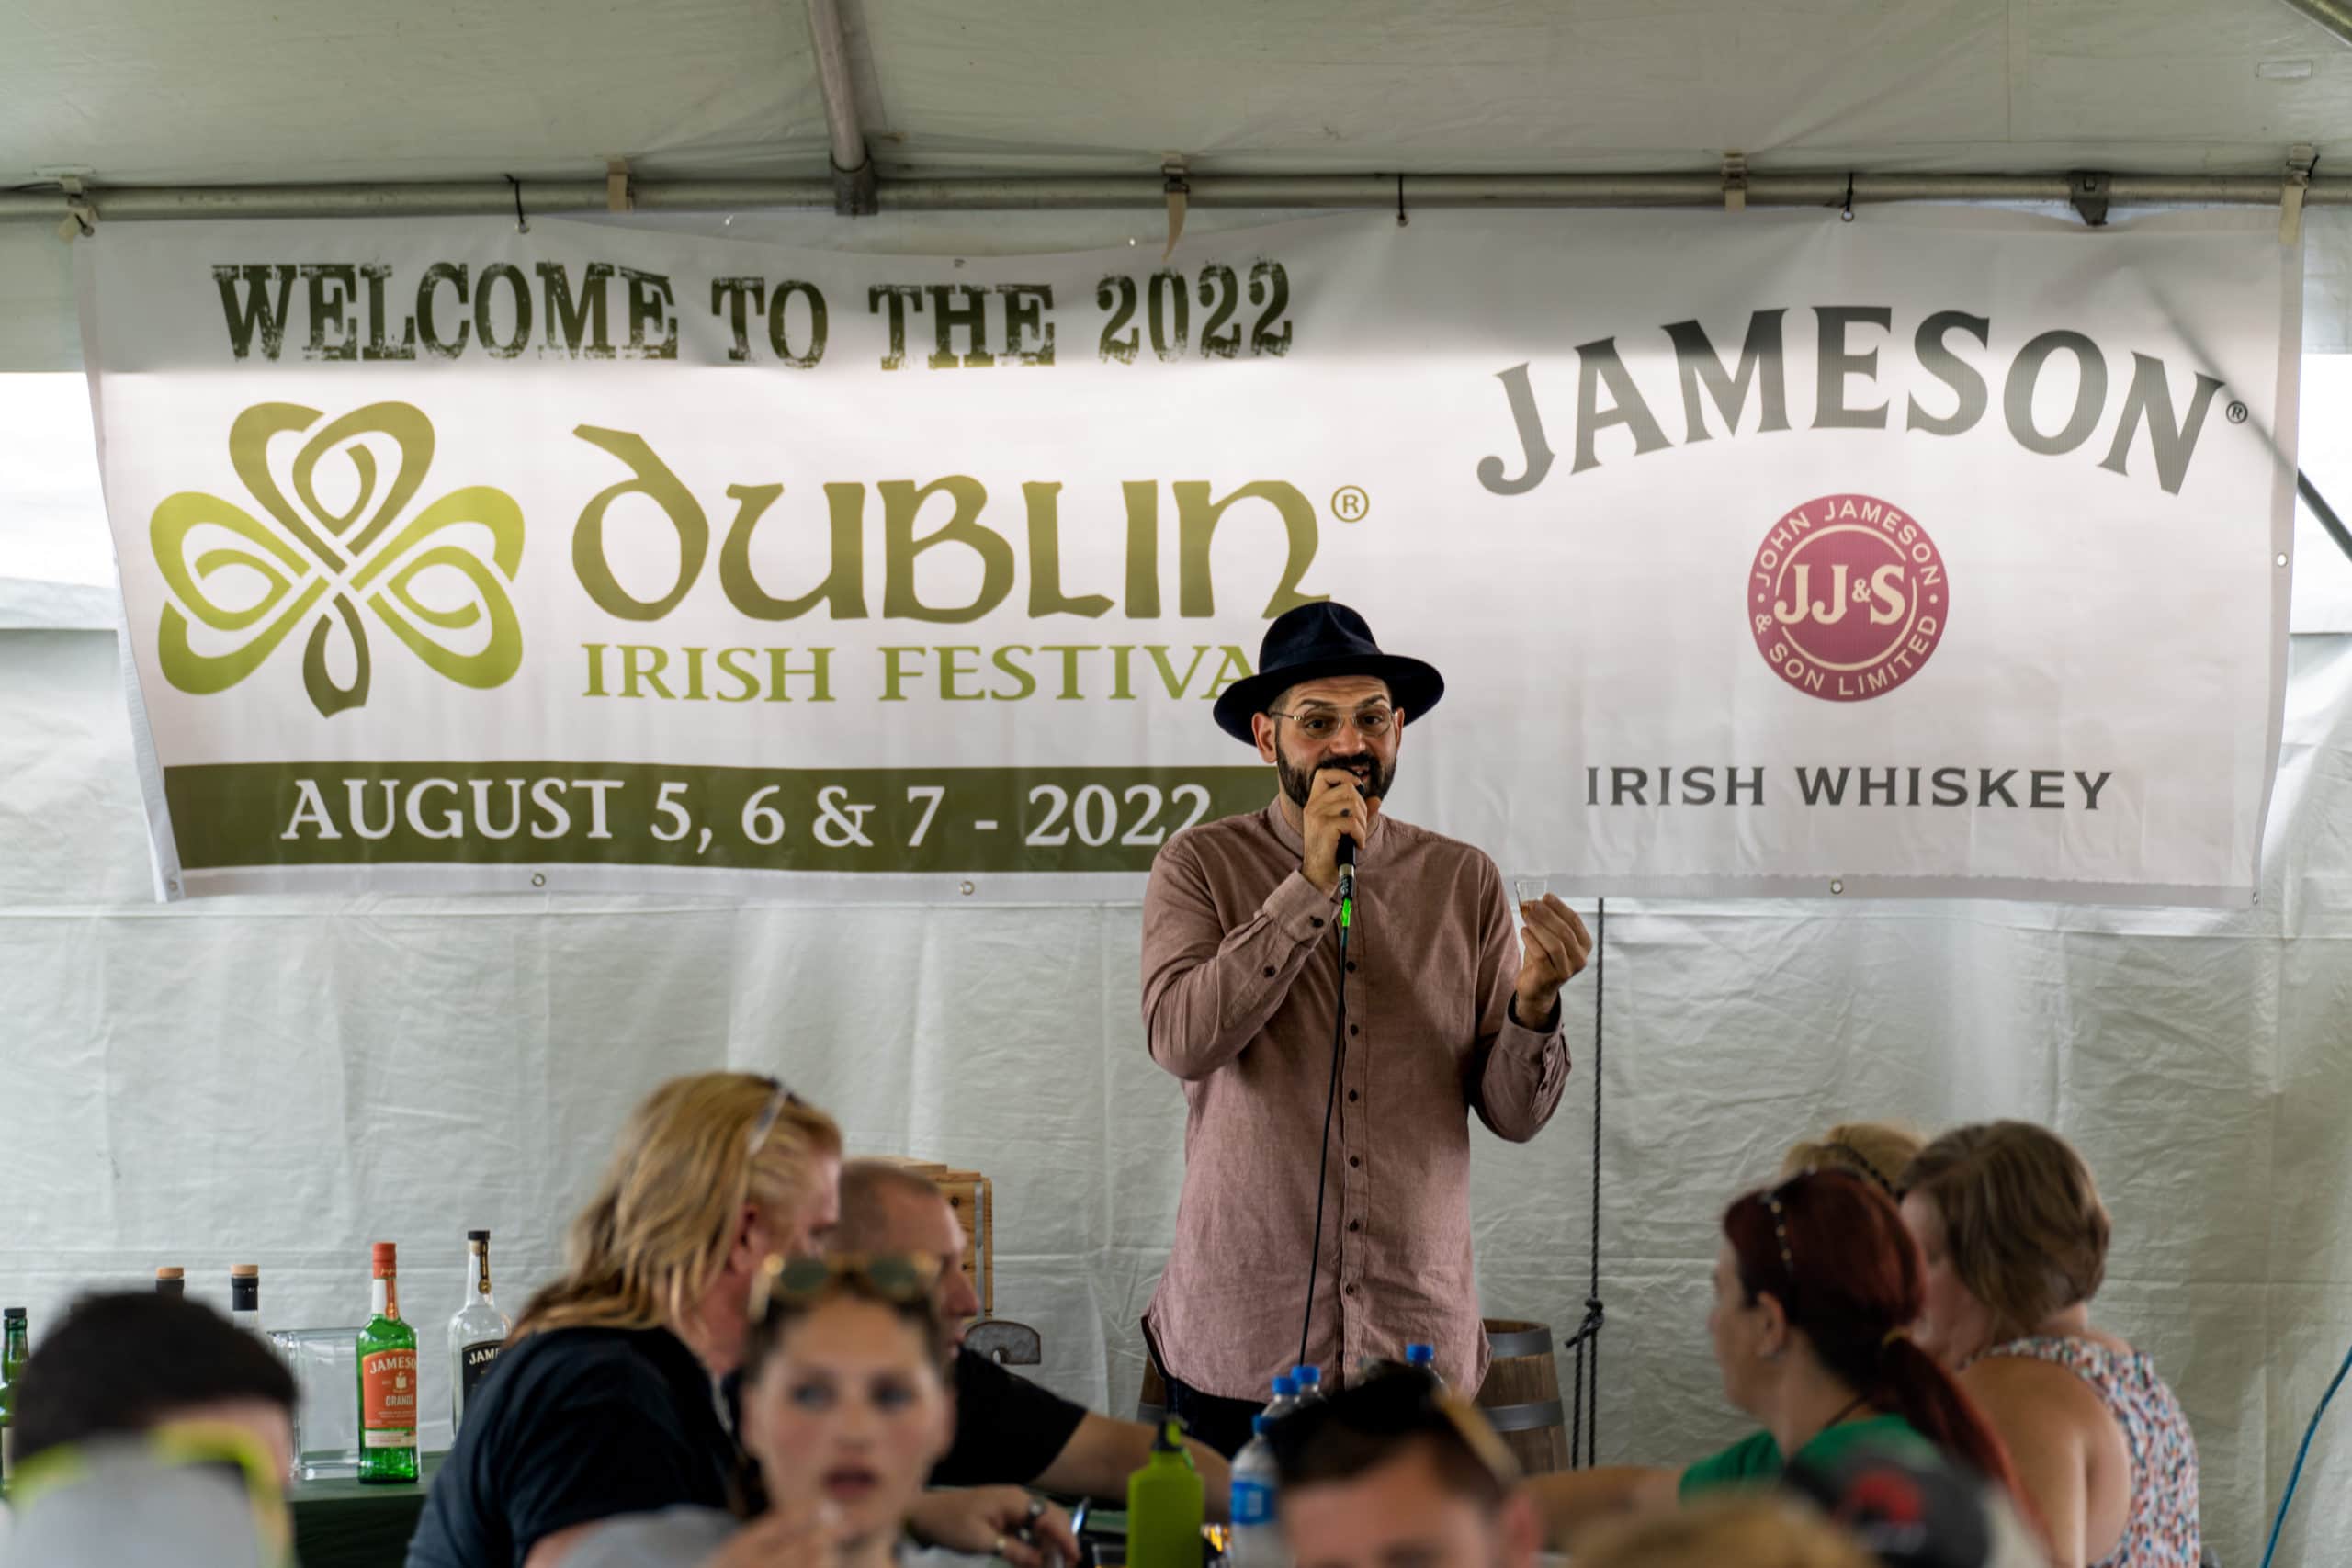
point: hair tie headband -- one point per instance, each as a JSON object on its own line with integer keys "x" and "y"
{"x": 1862, "y": 1165}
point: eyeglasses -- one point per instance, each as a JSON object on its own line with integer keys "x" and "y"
{"x": 766, "y": 1123}
{"x": 1391, "y": 1404}
{"x": 901, "y": 1279}
{"x": 1321, "y": 724}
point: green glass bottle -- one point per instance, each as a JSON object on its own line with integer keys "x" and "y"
{"x": 387, "y": 1381}
{"x": 12, "y": 1368}
{"x": 1164, "y": 1504}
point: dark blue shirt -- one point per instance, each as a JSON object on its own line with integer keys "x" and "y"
{"x": 573, "y": 1426}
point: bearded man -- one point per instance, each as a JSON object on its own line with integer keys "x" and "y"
{"x": 1446, "y": 1016}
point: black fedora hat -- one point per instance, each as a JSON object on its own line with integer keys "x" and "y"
{"x": 1315, "y": 641}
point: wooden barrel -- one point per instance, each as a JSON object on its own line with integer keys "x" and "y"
{"x": 1521, "y": 1394}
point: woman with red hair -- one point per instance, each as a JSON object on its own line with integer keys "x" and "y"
{"x": 1817, "y": 1285}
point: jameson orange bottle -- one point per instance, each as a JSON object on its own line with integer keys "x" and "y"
{"x": 387, "y": 1382}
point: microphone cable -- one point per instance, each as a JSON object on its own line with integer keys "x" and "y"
{"x": 1347, "y": 857}
{"x": 2302, "y": 1454}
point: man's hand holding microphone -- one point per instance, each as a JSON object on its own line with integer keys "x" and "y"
{"x": 1335, "y": 808}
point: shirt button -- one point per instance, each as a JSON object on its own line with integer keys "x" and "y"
{"x": 1314, "y": 920}
{"x": 1270, "y": 973}
{"x": 1351, "y": 966}
{"x": 1354, "y": 1030}
{"x": 1355, "y": 1225}
{"x": 1351, "y": 1289}
{"x": 1352, "y": 1097}
{"x": 1355, "y": 1160}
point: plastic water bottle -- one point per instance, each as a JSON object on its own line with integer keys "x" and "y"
{"x": 1422, "y": 1359}
{"x": 1285, "y": 1398}
{"x": 1310, "y": 1384}
{"x": 1257, "y": 1534}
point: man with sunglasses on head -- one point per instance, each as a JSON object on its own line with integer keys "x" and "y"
{"x": 1394, "y": 1471}
{"x": 1448, "y": 1015}
{"x": 1009, "y": 1431}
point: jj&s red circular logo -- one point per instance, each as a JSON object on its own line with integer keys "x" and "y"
{"x": 1847, "y": 598}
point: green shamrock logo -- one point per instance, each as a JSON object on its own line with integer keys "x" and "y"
{"x": 318, "y": 559}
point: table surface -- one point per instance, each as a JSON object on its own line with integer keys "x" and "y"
{"x": 343, "y": 1523}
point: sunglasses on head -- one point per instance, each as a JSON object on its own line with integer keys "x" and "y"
{"x": 1395, "y": 1404}
{"x": 777, "y": 1100}
{"x": 900, "y": 1279}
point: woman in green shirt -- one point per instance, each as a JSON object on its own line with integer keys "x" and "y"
{"x": 1817, "y": 1283}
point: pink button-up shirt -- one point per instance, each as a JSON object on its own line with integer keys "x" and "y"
{"x": 1239, "y": 988}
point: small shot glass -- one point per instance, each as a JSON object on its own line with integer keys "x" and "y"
{"x": 1526, "y": 890}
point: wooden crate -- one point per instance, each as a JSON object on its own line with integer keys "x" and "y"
{"x": 972, "y": 1196}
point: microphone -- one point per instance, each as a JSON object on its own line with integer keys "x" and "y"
{"x": 1347, "y": 859}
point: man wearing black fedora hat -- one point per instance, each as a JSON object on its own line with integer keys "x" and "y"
{"x": 1447, "y": 1016}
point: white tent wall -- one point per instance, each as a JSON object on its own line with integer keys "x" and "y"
{"x": 284, "y": 1080}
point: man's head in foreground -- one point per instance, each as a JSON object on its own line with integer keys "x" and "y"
{"x": 1392, "y": 1473}
{"x": 121, "y": 1365}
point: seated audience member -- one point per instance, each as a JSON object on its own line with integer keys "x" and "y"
{"x": 1008, "y": 1429}
{"x": 2015, "y": 1240}
{"x": 1815, "y": 1285}
{"x": 1765, "y": 1530}
{"x": 1392, "y": 1470}
{"x": 1911, "y": 1511}
{"x": 603, "y": 1404}
{"x": 150, "y": 1430}
{"x": 1875, "y": 1151}
{"x": 845, "y": 1409}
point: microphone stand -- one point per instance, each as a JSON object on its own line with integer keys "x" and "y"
{"x": 1346, "y": 858}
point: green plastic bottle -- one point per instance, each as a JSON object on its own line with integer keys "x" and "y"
{"x": 12, "y": 1372}
{"x": 1164, "y": 1504}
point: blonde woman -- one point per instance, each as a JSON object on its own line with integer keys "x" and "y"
{"x": 606, "y": 1402}
{"x": 1757, "y": 1530}
{"x": 1875, "y": 1151}
{"x": 2015, "y": 1240}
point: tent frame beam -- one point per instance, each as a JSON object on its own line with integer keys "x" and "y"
{"x": 855, "y": 188}
{"x": 2333, "y": 15}
{"x": 1140, "y": 193}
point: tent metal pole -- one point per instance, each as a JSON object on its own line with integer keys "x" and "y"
{"x": 2331, "y": 15}
{"x": 1147, "y": 193}
{"x": 2328, "y": 520}
{"x": 854, "y": 177}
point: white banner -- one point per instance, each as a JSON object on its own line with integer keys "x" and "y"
{"x": 1938, "y": 552}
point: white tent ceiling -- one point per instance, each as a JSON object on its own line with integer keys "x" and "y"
{"x": 255, "y": 91}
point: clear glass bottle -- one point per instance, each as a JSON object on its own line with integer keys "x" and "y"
{"x": 477, "y": 1333}
{"x": 245, "y": 1297}
{"x": 12, "y": 1368}
{"x": 388, "y": 1379}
